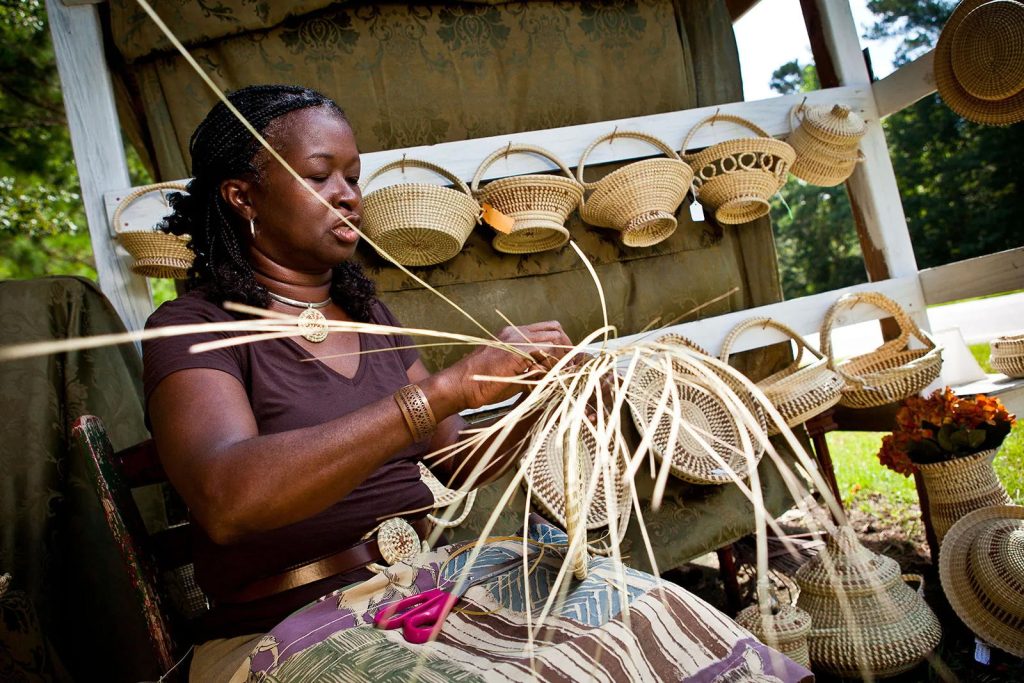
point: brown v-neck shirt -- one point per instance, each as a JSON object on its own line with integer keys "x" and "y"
{"x": 286, "y": 393}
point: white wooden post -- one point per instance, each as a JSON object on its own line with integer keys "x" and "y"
{"x": 873, "y": 189}
{"x": 99, "y": 151}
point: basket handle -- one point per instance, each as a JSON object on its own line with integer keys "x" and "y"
{"x": 739, "y": 120}
{"x": 139, "y": 192}
{"x": 750, "y": 323}
{"x": 517, "y": 149}
{"x": 915, "y": 577}
{"x": 908, "y": 327}
{"x": 636, "y": 135}
{"x": 417, "y": 163}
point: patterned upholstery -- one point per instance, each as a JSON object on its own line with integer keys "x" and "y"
{"x": 139, "y": 550}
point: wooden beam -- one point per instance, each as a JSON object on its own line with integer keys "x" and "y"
{"x": 804, "y": 315}
{"x": 99, "y": 151}
{"x": 905, "y": 85}
{"x": 981, "y": 276}
{"x": 737, "y": 8}
{"x": 462, "y": 157}
{"x": 874, "y": 194}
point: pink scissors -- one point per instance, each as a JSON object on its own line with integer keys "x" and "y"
{"x": 422, "y": 615}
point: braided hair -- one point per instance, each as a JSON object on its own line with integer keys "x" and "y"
{"x": 221, "y": 149}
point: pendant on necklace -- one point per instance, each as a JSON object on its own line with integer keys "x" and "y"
{"x": 313, "y": 325}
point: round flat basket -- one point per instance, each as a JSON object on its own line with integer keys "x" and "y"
{"x": 1008, "y": 355}
{"x": 893, "y": 371}
{"x": 798, "y": 392}
{"x": 546, "y": 477}
{"x": 418, "y": 224}
{"x": 640, "y": 199}
{"x": 708, "y": 434}
{"x": 539, "y": 204}
{"x": 736, "y": 178}
{"x": 156, "y": 253}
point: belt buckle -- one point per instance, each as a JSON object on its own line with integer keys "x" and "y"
{"x": 397, "y": 540}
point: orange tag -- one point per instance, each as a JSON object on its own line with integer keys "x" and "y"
{"x": 497, "y": 220}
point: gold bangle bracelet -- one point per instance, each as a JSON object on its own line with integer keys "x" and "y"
{"x": 417, "y": 413}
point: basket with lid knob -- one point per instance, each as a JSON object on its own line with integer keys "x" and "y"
{"x": 826, "y": 140}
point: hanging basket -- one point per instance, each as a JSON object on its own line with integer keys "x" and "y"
{"x": 640, "y": 199}
{"x": 156, "y": 253}
{"x": 887, "y": 629}
{"x": 704, "y": 410}
{"x": 1007, "y": 355}
{"x": 956, "y": 487}
{"x": 736, "y": 178}
{"x": 826, "y": 142}
{"x": 418, "y": 224}
{"x": 797, "y": 392}
{"x": 893, "y": 371}
{"x": 540, "y": 204}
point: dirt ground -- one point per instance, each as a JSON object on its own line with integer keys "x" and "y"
{"x": 881, "y": 530}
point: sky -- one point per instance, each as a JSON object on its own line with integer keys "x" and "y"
{"x": 773, "y": 33}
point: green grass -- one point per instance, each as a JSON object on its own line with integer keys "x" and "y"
{"x": 976, "y": 298}
{"x": 981, "y": 353}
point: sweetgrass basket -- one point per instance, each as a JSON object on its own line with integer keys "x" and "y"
{"x": 156, "y": 253}
{"x": 640, "y": 199}
{"x": 540, "y": 204}
{"x": 1008, "y": 355}
{"x": 891, "y": 372}
{"x": 798, "y": 392}
{"x": 826, "y": 141}
{"x": 736, "y": 178}
{"x": 418, "y": 224}
{"x": 884, "y": 627}
{"x": 703, "y": 409}
{"x": 785, "y": 628}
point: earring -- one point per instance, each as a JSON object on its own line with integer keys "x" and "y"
{"x": 252, "y": 227}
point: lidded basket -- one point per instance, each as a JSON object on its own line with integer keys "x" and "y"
{"x": 826, "y": 141}
{"x": 885, "y": 627}
{"x": 539, "y": 204}
{"x": 784, "y": 627}
{"x": 640, "y": 199}
{"x": 418, "y": 224}
{"x": 1008, "y": 355}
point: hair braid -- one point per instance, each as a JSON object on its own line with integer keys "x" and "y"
{"x": 222, "y": 148}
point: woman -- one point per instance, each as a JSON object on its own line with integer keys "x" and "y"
{"x": 287, "y": 466}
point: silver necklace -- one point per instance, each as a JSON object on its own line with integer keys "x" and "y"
{"x": 312, "y": 323}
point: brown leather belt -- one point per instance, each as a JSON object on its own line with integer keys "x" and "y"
{"x": 349, "y": 559}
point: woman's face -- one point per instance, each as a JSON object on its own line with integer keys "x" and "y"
{"x": 293, "y": 228}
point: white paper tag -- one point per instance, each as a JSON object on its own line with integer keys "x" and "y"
{"x": 982, "y": 652}
{"x": 696, "y": 212}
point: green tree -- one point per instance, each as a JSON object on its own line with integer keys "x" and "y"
{"x": 960, "y": 183}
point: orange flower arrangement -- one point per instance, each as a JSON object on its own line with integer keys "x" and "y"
{"x": 942, "y": 427}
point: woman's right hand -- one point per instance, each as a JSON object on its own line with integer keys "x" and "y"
{"x": 544, "y": 342}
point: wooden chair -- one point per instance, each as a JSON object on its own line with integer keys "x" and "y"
{"x": 159, "y": 564}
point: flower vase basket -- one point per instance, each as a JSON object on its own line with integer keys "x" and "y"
{"x": 961, "y": 485}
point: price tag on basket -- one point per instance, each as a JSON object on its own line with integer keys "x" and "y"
{"x": 497, "y": 220}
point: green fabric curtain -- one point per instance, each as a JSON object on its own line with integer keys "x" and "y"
{"x": 53, "y": 537}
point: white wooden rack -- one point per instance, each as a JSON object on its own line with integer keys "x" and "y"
{"x": 873, "y": 191}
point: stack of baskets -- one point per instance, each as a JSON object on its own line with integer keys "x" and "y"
{"x": 893, "y": 371}
{"x": 708, "y": 435}
{"x": 875, "y": 623}
{"x": 156, "y": 253}
{"x": 798, "y": 393}
{"x": 418, "y": 224}
{"x": 826, "y": 141}
{"x": 1008, "y": 355}
{"x": 539, "y": 204}
{"x": 736, "y": 178}
{"x": 640, "y": 199}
